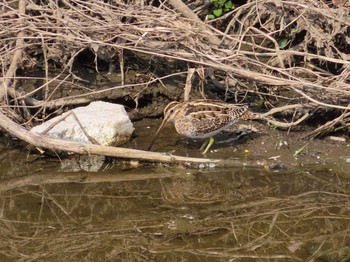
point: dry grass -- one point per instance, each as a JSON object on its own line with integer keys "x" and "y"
{"x": 312, "y": 70}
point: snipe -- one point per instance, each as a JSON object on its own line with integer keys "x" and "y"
{"x": 202, "y": 119}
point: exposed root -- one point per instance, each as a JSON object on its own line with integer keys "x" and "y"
{"x": 276, "y": 51}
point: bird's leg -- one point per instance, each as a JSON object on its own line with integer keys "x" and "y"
{"x": 207, "y": 144}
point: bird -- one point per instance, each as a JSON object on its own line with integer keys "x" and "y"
{"x": 202, "y": 119}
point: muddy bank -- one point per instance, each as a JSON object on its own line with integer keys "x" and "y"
{"x": 251, "y": 140}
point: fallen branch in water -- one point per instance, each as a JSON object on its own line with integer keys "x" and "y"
{"x": 41, "y": 141}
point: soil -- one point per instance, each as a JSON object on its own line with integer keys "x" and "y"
{"x": 250, "y": 140}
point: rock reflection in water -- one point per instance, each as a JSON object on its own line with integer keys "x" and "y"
{"x": 171, "y": 214}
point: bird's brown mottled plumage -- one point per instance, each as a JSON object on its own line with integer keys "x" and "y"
{"x": 202, "y": 118}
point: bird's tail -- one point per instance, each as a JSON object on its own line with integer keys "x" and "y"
{"x": 248, "y": 115}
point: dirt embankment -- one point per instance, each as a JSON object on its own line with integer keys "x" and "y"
{"x": 288, "y": 60}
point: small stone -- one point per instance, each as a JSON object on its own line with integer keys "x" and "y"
{"x": 336, "y": 138}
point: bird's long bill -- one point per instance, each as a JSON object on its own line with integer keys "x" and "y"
{"x": 165, "y": 120}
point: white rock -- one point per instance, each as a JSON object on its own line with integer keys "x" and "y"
{"x": 106, "y": 123}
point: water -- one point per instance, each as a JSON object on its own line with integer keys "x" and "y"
{"x": 152, "y": 212}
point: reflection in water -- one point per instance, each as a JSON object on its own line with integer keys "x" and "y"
{"x": 172, "y": 214}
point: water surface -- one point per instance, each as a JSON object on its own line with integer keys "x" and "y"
{"x": 298, "y": 211}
